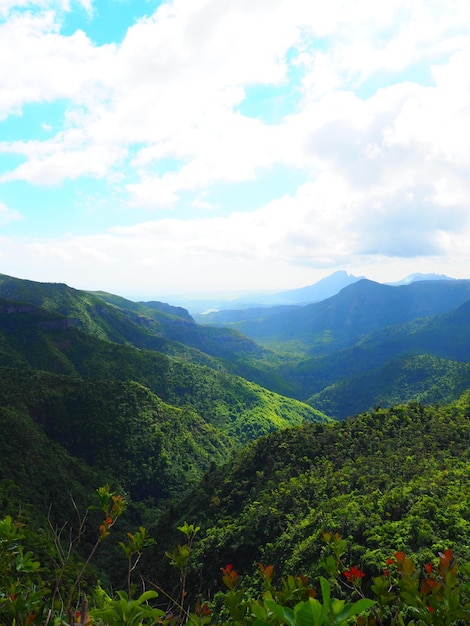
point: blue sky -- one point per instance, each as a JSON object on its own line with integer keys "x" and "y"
{"x": 179, "y": 147}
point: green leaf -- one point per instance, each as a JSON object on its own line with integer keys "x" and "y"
{"x": 351, "y": 610}
{"x": 147, "y": 595}
{"x": 282, "y": 612}
{"x": 310, "y": 613}
{"x": 326, "y": 593}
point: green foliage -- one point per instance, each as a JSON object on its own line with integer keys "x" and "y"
{"x": 422, "y": 378}
{"x": 88, "y": 399}
{"x": 116, "y": 430}
{"x": 392, "y": 479}
{"x": 128, "y": 612}
{"x": 21, "y": 586}
{"x": 151, "y": 448}
{"x": 437, "y": 594}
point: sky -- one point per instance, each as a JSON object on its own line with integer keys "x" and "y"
{"x": 160, "y": 148}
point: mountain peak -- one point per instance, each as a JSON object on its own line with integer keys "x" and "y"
{"x": 413, "y": 278}
{"x": 324, "y": 288}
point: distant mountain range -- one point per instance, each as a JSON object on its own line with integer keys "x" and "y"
{"x": 367, "y": 344}
{"x": 343, "y": 319}
{"x": 412, "y": 278}
{"x": 324, "y": 288}
{"x": 206, "y": 311}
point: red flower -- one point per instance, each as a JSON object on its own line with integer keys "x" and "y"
{"x": 428, "y": 568}
{"x": 228, "y": 568}
{"x": 354, "y": 574}
{"x": 202, "y": 609}
{"x": 30, "y": 619}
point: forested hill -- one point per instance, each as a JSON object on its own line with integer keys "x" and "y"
{"x": 96, "y": 389}
{"x": 369, "y": 345}
{"x": 426, "y": 359}
{"x": 357, "y": 310}
{"x": 151, "y": 416}
{"x": 393, "y": 479}
{"x": 154, "y": 326}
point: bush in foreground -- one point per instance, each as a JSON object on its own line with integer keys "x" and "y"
{"x": 403, "y": 594}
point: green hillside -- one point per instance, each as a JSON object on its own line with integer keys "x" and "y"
{"x": 393, "y": 479}
{"x": 422, "y": 378}
{"x": 359, "y": 309}
{"x": 118, "y": 429}
{"x": 154, "y": 326}
{"x": 425, "y": 360}
{"x": 93, "y": 396}
{"x": 100, "y": 335}
{"x": 95, "y": 389}
{"x": 33, "y": 338}
{"x": 37, "y": 475}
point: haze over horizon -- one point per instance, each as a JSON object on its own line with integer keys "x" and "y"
{"x": 195, "y": 146}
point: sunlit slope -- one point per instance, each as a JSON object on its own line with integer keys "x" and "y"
{"x": 390, "y": 479}
{"x": 33, "y": 338}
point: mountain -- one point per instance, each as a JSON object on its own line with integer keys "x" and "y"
{"x": 337, "y": 354}
{"x": 425, "y": 360}
{"x": 324, "y": 288}
{"x": 157, "y": 326}
{"x": 359, "y": 309}
{"x": 417, "y": 277}
{"x": 272, "y": 304}
{"x": 116, "y": 319}
{"x": 372, "y": 344}
{"x": 34, "y": 338}
{"x": 344, "y": 346}
{"x": 231, "y": 317}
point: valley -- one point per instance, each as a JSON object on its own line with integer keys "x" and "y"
{"x": 266, "y": 427}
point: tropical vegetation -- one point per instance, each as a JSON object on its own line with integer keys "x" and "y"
{"x": 158, "y": 471}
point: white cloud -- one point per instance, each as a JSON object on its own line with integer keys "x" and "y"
{"x": 7, "y": 214}
{"x": 172, "y": 87}
{"x": 379, "y": 131}
{"x": 41, "y": 65}
{"x": 67, "y": 156}
{"x": 292, "y": 241}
